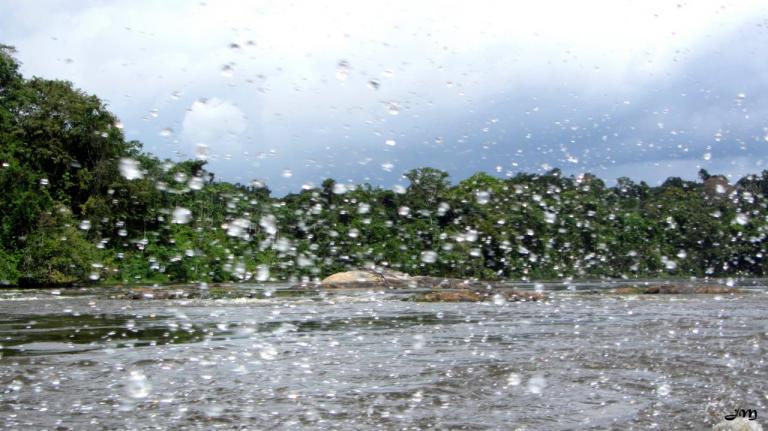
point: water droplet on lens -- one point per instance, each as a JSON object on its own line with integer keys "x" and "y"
{"x": 137, "y": 386}
{"x": 166, "y": 132}
{"x": 201, "y": 151}
{"x": 428, "y": 256}
{"x": 195, "y": 183}
{"x": 514, "y": 379}
{"x": 227, "y": 71}
{"x": 262, "y": 273}
{"x": 85, "y": 224}
{"x": 482, "y": 197}
{"x": 342, "y": 70}
{"x": 130, "y": 169}
{"x": 393, "y": 108}
{"x": 536, "y": 385}
{"x": 181, "y": 215}
{"x": 269, "y": 223}
{"x": 238, "y": 227}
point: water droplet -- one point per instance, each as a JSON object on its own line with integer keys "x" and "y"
{"x": 363, "y": 208}
{"x": 428, "y": 256}
{"x": 195, "y": 183}
{"x": 342, "y": 70}
{"x": 137, "y": 386}
{"x": 403, "y": 211}
{"x": 201, "y": 152}
{"x": 514, "y": 379}
{"x": 499, "y": 299}
{"x": 238, "y": 227}
{"x": 268, "y": 352}
{"x": 707, "y": 156}
{"x": 442, "y": 208}
{"x": 393, "y": 108}
{"x": 119, "y": 125}
{"x": 262, "y": 273}
{"x": 663, "y": 390}
{"x": 550, "y": 217}
{"x": 399, "y": 189}
{"x": 130, "y": 169}
{"x": 741, "y": 219}
{"x": 482, "y": 197}
{"x": 227, "y": 71}
{"x": 85, "y": 224}
{"x": 536, "y": 385}
{"x": 181, "y": 215}
{"x": 180, "y": 177}
{"x": 339, "y": 188}
{"x": 374, "y": 84}
{"x": 269, "y": 223}
{"x": 418, "y": 342}
{"x": 44, "y": 181}
{"x": 390, "y": 142}
{"x": 387, "y": 166}
{"x": 166, "y": 132}
{"x": 287, "y": 173}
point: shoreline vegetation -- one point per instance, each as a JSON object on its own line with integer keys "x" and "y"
{"x": 82, "y": 205}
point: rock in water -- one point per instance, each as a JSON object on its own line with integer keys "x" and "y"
{"x": 738, "y": 424}
{"x": 367, "y": 279}
{"x": 352, "y": 277}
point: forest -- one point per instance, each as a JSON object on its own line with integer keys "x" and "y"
{"x": 81, "y": 204}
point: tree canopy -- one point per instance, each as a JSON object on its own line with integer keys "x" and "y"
{"x": 80, "y": 204}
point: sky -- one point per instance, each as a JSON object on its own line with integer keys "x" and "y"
{"x": 292, "y": 92}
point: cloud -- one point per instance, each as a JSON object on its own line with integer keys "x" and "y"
{"x": 217, "y": 124}
{"x": 581, "y": 85}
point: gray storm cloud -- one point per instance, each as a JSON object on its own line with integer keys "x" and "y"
{"x": 643, "y": 89}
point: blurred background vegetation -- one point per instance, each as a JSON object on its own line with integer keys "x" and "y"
{"x": 80, "y": 204}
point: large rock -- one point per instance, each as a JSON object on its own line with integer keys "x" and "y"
{"x": 363, "y": 278}
{"x": 353, "y": 277}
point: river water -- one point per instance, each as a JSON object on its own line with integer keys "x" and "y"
{"x": 349, "y": 360}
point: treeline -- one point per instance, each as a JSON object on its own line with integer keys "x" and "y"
{"x": 81, "y": 204}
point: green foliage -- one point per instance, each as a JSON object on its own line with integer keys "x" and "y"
{"x": 56, "y": 253}
{"x": 68, "y": 216}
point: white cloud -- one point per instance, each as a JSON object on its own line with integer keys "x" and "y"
{"x": 449, "y": 61}
{"x": 217, "y": 124}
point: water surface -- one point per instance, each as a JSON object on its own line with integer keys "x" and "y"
{"x": 87, "y": 359}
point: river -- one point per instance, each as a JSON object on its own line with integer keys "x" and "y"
{"x": 280, "y": 359}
